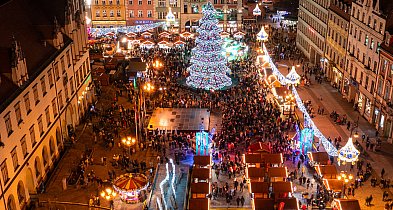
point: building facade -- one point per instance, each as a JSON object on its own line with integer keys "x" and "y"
{"x": 162, "y": 8}
{"x": 383, "y": 110}
{"x": 229, "y": 13}
{"x": 336, "y": 44}
{"x": 312, "y": 29}
{"x": 366, "y": 33}
{"x": 108, "y": 13}
{"x": 44, "y": 91}
{"x": 139, "y": 12}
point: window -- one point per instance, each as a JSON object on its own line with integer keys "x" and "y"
{"x": 111, "y": 13}
{"x": 103, "y": 2}
{"x": 62, "y": 64}
{"x": 149, "y": 2}
{"x": 8, "y": 124}
{"x": 72, "y": 85}
{"x": 24, "y": 146}
{"x": 110, "y": 2}
{"x": 366, "y": 40}
{"x": 18, "y": 113}
{"x": 4, "y": 171}
{"x": 43, "y": 86}
{"x": 375, "y": 23}
{"x": 118, "y": 13}
{"x": 47, "y": 115}
{"x": 372, "y": 44}
{"x": 27, "y": 103}
{"x": 50, "y": 78}
{"x": 96, "y": 2}
{"x": 149, "y": 13}
{"x": 57, "y": 71}
{"x": 118, "y": 2}
{"x": 60, "y": 97}
{"x": 14, "y": 156}
{"x": 32, "y": 136}
{"x": 54, "y": 108}
{"x": 130, "y": 2}
{"x": 103, "y": 13}
{"x": 139, "y": 2}
{"x": 35, "y": 93}
{"x": 381, "y": 28}
{"x": 161, "y": 15}
{"x": 387, "y": 90}
{"x": 97, "y": 13}
{"x": 161, "y": 3}
{"x": 131, "y": 14}
{"x": 40, "y": 125}
{"x": 379, "y": 87}
{"x": 140, "y": 13}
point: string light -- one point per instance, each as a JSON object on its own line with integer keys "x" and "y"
{"x": 128, "y": 29}
{"x": 330, "y": 149}
{"x": 208, "y": 70}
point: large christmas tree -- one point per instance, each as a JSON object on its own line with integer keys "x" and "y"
{"x": 208, "y": 68}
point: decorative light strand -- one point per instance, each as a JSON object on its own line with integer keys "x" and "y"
{"x": 173, "y": 177}
{"x": 127, "y": 29}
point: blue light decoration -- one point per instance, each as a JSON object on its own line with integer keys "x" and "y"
{"x": 306, "y": 140}
{"x": 348, "y": 153}
{"x": 330, "y": 149}
{"x": 202, "y": 143}
{"x": 293, "y": 77}
{"x": 234, "y": 50}
{"x": 262, "y": 35}
{"x": 208, "y": 68}
{"x": 127, "y": 29}
{"x": 256, "y": 10}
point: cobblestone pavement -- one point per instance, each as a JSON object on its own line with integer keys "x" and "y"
{"x": 75, "y": 195}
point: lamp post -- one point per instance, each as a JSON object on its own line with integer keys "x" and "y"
{"x": 346, "y": 177}
{"x": 109, "y": 194}
{"x": 290, "y": 99}
{"x": 128, "y": 142}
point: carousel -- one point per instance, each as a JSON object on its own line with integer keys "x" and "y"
{"x": 131, "y": 187}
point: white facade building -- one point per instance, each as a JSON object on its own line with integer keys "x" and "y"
{"x": 312, "y": 28}
{"x": 44, "y": 90}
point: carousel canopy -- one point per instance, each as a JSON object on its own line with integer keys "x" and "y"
{"x": 130, "y": 182}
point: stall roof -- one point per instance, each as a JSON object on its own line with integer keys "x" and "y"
{"x": 198, "y": 204}
{"x": 290, "y": 203}
{"x": 333, "y": 184}
{"x": 327, "y": 171}
{"x": 321, "y": 158}
{"x": 201, "y": 173}
{"x": 200, "y": 188}
{"x": 348, "y": 204}
{"x": 277, "y": 172}
{"x": 259, "y": 187}
{"x": 253, "y": 158}
{"x": 261, "y": 203}
{"x": 200, "y": 160}
{"x": 273, "y": 158}
{"x": 255, "y": 173}
{"x": 136, "y": 64}
{"x": 282, "y": 187}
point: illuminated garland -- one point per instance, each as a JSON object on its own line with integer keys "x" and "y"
{"x": 173, "y": 177}
{"x": 330, "y": 149}
{"x": 162, "y": 185}
{"x": 208, "y": 69}
{"x": 127, "y": 29}
{"x": 348, "y": 153}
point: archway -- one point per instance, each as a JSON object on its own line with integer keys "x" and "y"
{"x": 52, "y": 147}
{"x": 45, "y": 158}
{"x": 59, "y": 139}
{"x": 37, "y": 166}
{"x": 30, "y": 181}
{"x": 21, "y": 193}
{"x": 11, "y": 203}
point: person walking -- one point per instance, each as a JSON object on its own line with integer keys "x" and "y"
{"x": 242, "y": 200}
{"x": 238, "y": 201}
{"x": 382, "y": 172}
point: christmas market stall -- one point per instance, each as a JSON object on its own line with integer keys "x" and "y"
{"x": 131, "y": 187}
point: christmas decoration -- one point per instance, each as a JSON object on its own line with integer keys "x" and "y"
{"x": 256, "y": 11}
{"x": 128, "y": 29}
{"x": 293, "y": 78}
{"x": 348, "y": 153}
{"x": 262, "y": 35}
{"x": 208, "y": 70}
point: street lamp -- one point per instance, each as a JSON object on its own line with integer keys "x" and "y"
{"x": 128, "y": 142}
{"x": 290, "y": 99}
{"x": 109, "y": 194}
{"x": 157, "y": 64}
{"x": 345, "y": 177}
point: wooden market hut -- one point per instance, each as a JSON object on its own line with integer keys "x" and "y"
{"x": 327, "y": 171}
{"x": 319, "y": 158}
{"x": 289, "y": 203}
{"x": 347, "y": 204}
{"x": 334, "y": 184}
{"x": 282, "y": 189}
{"x": 198, "y": 204}
{"x": 263, "y": 204}
{"x": 256, "y": 174}
{"x": 279, "y": 174}
{"x": 260, "y": 189}
{"x": 202, "y": 161}
{"x": 273, "y": 159}
{"x": 201, "y": 174}
{"x": 199, "y": 189}
{"x": 253, "y": 160}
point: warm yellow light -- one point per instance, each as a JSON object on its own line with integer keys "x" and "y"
{"x": 107, "y": 197}
{"x": 133, "y": 140}
{"x": 339, "y": 177}
{"x": 128, "y": 143}
{"x": 108, "y": 190}
{"x": 350, "y": 177}
{"x": 123, "y": 140}
{"x": 114, "y": 194}
{"x": 102, "y": 194}
{"x": 129, "y": 138}
{"x": 346, "y": 180}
